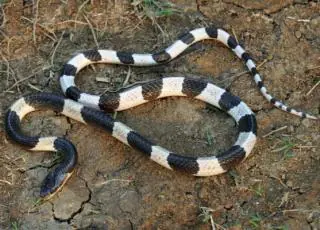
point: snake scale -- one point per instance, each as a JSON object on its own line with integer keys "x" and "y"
{"x": 91, "y": 109}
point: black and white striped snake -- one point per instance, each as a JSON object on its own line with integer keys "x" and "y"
{"x": 87, "y": 108}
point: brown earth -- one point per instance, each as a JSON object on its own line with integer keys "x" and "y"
{"x": 116, "y": 187}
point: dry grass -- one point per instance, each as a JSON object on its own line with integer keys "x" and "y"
{"x": 38, "y": 28}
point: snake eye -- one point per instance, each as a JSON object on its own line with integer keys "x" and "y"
{"x": 51, "y": 184}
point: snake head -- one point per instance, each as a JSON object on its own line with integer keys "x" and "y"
{"x": 53, "y": 183}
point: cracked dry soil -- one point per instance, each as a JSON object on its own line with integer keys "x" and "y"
{"x": 116, "y": 187}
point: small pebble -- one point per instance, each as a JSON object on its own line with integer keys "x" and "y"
{"x": 228, "y": 206}
{"x": 103, "y": 79}
{"x": 298, "y": 34}
{"x": 289, "y": 183}
{"x": 302, "y": 190}
{"x": 233, "y": 12}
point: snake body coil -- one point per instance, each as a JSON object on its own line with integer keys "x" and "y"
{"x": 87, "y": 108}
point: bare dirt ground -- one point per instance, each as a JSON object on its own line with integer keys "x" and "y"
{"x": 116, "y": 187}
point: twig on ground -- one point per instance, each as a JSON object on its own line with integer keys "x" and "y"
{"x": 55, "y": 48}
{"x": 113, "y": 180}
{"x": 274, "y": 131}
{"x": 123, "y": 85}
{"x": 4, "y": 35}
{"x": 24, "y": 79}
{"x": 137, "y": 25}
{"x": 35, "y": 20}
{"x": 92, "y": 31}
{"x": 279, "y": 149}
{"x": 297, "y": 210}
{"x": 79, "y": 10}
{"x": 43, "y": 28}
{"x": 34, "y": 87}
{"x": 206, "y": 213}
{"x": 72, "y": 21}
{"x": 310, "y": 91}
{"x": 284, "y": 212}
{"x": 102, "y": 79}
{"x": 298, "y": 20}
{"x": 127, "y": 77}
{"x": 212, "y": 223}
{"x": 6, "y": 182}
{"x": 236, "y": 76}
{"x": 279, "y": 179}
{"x": 6, "y": 39}
{"x": 4, "y": 20}
{"x": 313, "y": 67}
{"x": 162, "y": 31}
{"x": 305, "y": 146}
{"x": 235, "y": 35}
{"x": 284, "y": 199}
{"x": 262, "y": 63}
{"x": 9, "y": 70}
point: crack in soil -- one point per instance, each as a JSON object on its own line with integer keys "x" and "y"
{"x": 68, "y": 220}
{"x": 38, "y": 166}
{"x": 46, "y": 166}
